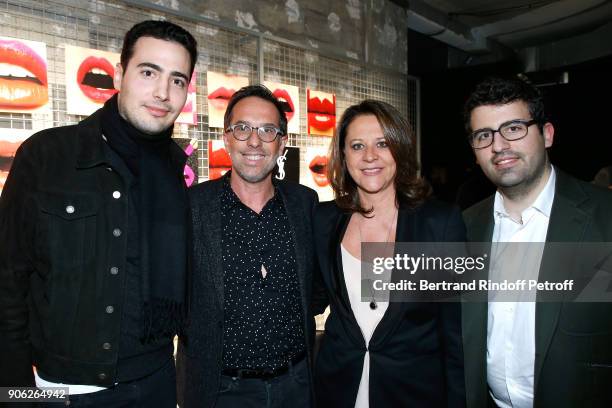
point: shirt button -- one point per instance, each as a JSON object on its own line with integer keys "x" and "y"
{"x": 110, "y": 309}
{"x": 69, "y": 209}
{"x": 114, "y": 270}
{"x": 102, "y": 376}
{"x": 117, "y": 232}
{"x": 116, "y": 194}
{"x": 106, "y": 346}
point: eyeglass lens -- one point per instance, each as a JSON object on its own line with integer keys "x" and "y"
{"x": 509, "y": 131}
{"x": 265, "y": 133}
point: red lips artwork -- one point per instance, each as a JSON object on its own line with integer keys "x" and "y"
{"x": 220, "y": 97}
{"x": 318, "y": 170}
{"x": 321, "y": 113}
{"x": 219, "y": 162}
{"x": 188, "y": 113}
{"x": 96, "y": 86}
{"x": 89, "y": 79}
{"x": 10, "y": 140}
{"x": 23, "y": 81}
{"x": 289, "y": 97}
{"x": 315, "y": 176}
{"x": 221, "y": 87}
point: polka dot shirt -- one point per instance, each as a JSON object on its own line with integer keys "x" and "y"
{"x": 264, "y": 328}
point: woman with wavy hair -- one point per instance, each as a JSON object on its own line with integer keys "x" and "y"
{"x": 375, "y": 353}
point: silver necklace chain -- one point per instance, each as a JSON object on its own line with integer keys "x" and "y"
{"x": 373, "y": 304}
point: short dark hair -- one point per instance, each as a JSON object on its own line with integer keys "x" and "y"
{"x": 259, "y": 91}
{"x": 161, "y": 30}
{"x": 411, "y": 189}
{"x": 501, "y": 91}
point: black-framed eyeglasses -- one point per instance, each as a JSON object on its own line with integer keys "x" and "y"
{"x": 512, "y": 130}
{"x": 242, "y": 132}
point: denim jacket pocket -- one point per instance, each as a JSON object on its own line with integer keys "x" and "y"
{"x": 66, "y": 240}
{"x": 67, "y": 228}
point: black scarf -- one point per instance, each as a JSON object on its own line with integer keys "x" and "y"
{"x": 162, "y": 220}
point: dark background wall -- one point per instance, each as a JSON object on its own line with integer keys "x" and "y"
{"x": 580, "y": 110}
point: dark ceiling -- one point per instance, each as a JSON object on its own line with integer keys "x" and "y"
{"x": 578, "y": 29}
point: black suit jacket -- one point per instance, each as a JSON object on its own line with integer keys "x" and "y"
{"x": 415, "y": 352}
{"x": 199, "y": 355}
{"x": 573, "y": 341}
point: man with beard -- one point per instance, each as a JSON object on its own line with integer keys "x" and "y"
{"x": 527, "y": 353}
{"x": 93, "y": 225}
{"x": 250, "y": 337}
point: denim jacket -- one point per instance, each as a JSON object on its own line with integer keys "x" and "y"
{"x": 63, "y": 224}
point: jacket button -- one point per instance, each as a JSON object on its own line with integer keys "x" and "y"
{"x": 106, "y": 346}
{"x": 102, "y": 376}
{"x": 69, "y": 209}
{"x": 114, "y": 270}
{"x": 117, "y": 232}
{"x": 110, "y": 309}
{"x": 116, "y": 194}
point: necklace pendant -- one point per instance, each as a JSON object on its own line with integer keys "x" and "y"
{"x": 373, "y": 305}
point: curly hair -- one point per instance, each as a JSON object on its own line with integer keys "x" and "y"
{"x": 501, "y": 91}
{"x": 411, "y": 189}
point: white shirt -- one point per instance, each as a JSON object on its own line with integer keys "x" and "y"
{"x": 367, "y": 318}
{"x": 73, "y": 389}
{"x": 511, "y": 325}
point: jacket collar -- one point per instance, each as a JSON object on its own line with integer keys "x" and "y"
{"x": 91, "y": 145}
{"x": 481, "y": 228}
{"x": 406, "y": 231}
{"x": 571, "y": 214}
{"x": 570, "y": 210}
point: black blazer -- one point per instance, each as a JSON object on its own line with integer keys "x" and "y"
{"x": 573, "y": 340}
{"x": 200, "y": 352}
{"x": 416, "y": 359}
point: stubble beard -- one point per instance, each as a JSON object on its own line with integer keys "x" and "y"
{"x": 140, "y": 124}
{"x": 262, "y": 175}
{"x": 515, "y": 190}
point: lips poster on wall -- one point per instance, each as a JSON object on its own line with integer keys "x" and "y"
{"x": 219, "y": 161}
{"x": 321, "y": 113}
{"x": 288, "y": 165}
{"x": 89, "y": 79}
{"x": 289, "y": 96}
{"x": 23, "y": 76}
{"x": 315, "y": 175}
{"x": 221, "y": 87}
{"x": 10, "y": 139}
{"x": 188, "y": 114}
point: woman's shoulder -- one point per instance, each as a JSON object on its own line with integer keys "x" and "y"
{"x": 443, "y": 221}
{"x": 433, "y": 207}
{"x": 326, "y": 212}
{"x": 328, "y": 207}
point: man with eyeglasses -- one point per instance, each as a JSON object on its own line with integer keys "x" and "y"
{"x": 250, "y": 340}
{"x": 532, "y": 354}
